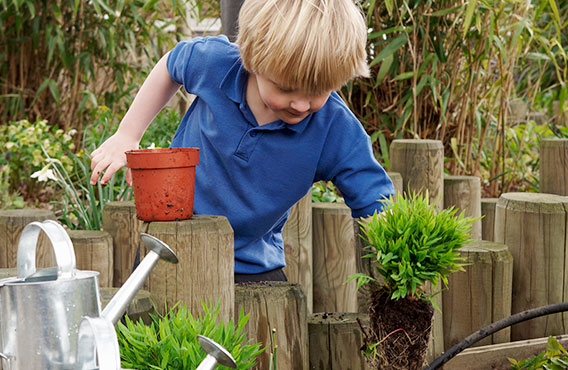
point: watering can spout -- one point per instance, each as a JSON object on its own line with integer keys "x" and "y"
{"x": 156, "y": 250}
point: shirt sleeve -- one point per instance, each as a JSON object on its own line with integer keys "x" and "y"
{"x": 188, "y": 60}
{"x": 348, "y": 161}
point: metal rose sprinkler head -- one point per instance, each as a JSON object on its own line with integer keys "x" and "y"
{"x": 215, "y": 355}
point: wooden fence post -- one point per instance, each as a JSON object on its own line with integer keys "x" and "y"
{"x": 533, "y": 226}
{"x": 119, "y": 220}
{"x": 480, "y": 295}
{"x": 488, "y": 221}
{"x": 421, "y": 164}
{"x": 336, "y": 340}
{"x": 297, "y": 235}
{"x": 205, "y": 272}
{"x": 12, "y": 222}
{"x": 396, "y": 179}
{"x": 464, "y": 193}
{"x": 94, "y": 252}
{"x": 554, "y": 166}
{"x": 334, "y": 258}
{"x": 278, "y": 306}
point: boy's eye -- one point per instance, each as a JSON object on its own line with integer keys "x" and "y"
{"x": 285, "y": 89}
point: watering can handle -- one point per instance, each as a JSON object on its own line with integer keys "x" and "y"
{"x": 60, "y": 241}
{"x": 3, "y": 359}
{"x": 97, "y": 344}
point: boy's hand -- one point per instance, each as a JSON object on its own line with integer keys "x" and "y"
{"x": 110, "y": 157}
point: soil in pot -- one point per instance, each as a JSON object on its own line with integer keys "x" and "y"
{"x": 402, "y": 329}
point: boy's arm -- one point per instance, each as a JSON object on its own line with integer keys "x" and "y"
{"x": 156, "y": 91}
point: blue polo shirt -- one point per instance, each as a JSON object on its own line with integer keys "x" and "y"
{"x": 254, "y": 174}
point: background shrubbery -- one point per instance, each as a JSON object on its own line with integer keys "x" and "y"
{"x": 441, "y": 70}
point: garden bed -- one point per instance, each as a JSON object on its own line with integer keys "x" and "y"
{"x": 495, "y": 356}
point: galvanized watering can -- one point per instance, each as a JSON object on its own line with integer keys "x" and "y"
{"x": 51, "y": 319}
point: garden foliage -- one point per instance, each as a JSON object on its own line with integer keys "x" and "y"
{"x": 170, "y": 342}
{"x": 21, "y": 156}
{"x": 59, "y": 59}
{"x": 554, "y": 357}
{"x": 446, "y": 70}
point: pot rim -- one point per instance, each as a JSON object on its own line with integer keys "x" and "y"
{"x": 162, "y": 158}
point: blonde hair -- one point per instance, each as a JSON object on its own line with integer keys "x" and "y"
{"x": 313, "y": 45}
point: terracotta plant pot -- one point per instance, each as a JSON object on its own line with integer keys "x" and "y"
{"x": 164, "y": 182}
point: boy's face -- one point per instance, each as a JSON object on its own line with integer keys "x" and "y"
{"x": 291, "y": 106}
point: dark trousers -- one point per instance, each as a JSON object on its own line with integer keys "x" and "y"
{"x": 273, "y": 275}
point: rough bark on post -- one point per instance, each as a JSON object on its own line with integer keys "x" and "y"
{"x": 488, "y": 221}
{"x": 421, "y": 165}
{"x": 336, "y": 340}
{"x": 554, "y": 166}
{"x": 464, "y": 193}
{"x": 205, "y": 249}
{"x": 119, "y": 220}
{"x": 94, "y": 252}
{"x": 278, "y": 306}
{"x": 334, "y": 258}
{"x": 480, "y": 295}
{"x": 12, "y": 222}
{"x": 297, "y": 236}
{"x": 396, "y": 179}
{"x": 533, "y": 226}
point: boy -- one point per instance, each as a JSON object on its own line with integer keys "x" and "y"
{"x": 267, "y": 121}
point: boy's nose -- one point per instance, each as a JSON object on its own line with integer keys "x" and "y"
{"x": 300, "y": 105}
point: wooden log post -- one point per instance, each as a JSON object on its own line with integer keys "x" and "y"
{"x": 396, "y": 179}
{"x": 554, "y": 166}
{"x": 334, "y": 258}
{"x": 119, "y": 220}
{"x": 336, "y": 340}
{"x": 278, "y": 306}
{"x": 480, "y": 295}
{"x": 464, "y": 193}
{"x": 421, "y": 164}
{"x": 93, "y": 251}
{"x": 533, "y": 226}
{"x": 205, "y": 273}
{"x": 12, "y": 222}
{"x": 488, "y": 221}
{"x": 297, "y": 236}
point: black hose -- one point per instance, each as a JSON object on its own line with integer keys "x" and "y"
{"x": 495, "y": 327}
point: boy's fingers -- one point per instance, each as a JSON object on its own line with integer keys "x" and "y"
{"x": 98, "y": 168}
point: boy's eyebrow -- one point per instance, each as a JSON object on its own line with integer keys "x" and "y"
{"x": 281, "y": 86}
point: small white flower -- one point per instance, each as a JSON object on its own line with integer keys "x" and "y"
{"x": 152, "y": 146}
{"x": 44, "y": 174}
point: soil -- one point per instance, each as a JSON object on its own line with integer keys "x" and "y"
{"x": 402, "y": 329}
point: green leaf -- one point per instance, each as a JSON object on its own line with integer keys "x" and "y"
{"x": 471, "y": 5}
{"x": 404, "y": 76}
{"x": 390, "y": 49}
{"x": 384, "y": 69}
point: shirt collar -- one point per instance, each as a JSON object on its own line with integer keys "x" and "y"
{"x": 234, "y": 85}
{"x": 235, "y": 81}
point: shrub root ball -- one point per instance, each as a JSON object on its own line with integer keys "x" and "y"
{"x": 402, "y": 329}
